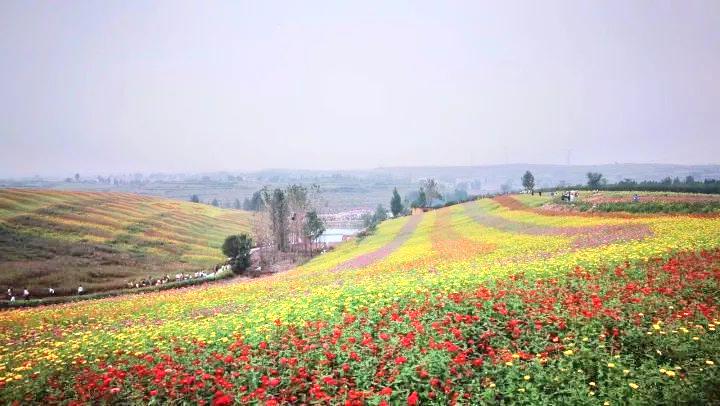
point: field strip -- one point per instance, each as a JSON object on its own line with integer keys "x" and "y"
{"x": 449, "y": 244}
{"x": 585, "y": 237}
{"x": 366, "y": 259}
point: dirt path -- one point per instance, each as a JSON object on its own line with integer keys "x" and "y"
{"x": 382, "y": 252}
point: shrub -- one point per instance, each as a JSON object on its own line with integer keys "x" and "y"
{"x": 237, "y": 248}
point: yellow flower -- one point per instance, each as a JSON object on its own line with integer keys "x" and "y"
{"x": 633, "y": 385}
{"x": 526, "y": 377}
{"x": 709, "y": 362}
{"x": 611, "y": 365}
{"x": 568, "y": 352}
{"x": 670, "y": 373}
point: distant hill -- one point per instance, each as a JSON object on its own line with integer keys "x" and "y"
{"x": 491, "y": 177}
{"x": 60, "y": 239}
{"x": 344, "y": 190}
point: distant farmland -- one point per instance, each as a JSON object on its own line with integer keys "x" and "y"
{"x": 101, "y": 240}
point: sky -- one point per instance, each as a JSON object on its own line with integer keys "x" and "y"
{"x": 134, "y": 86}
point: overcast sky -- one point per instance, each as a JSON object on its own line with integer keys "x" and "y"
{"x": 105, "y": 86}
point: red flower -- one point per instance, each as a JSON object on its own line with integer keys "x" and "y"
{"x": 412, "y": 399}
{"x": 400, "y": 360}
{"x": 386, "y": 391}
{"x": 221, "y": 399}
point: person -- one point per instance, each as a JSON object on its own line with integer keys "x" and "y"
{"x": 10, "y": 292}
{"x": 80, "y": 290}
{"x": 540, "y": 193}
{"x": 12, "y": 299}
{"x": 26, "y": 294}
{"x": 51, "y": 291}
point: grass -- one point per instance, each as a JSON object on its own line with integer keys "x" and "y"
{"x": 653, "y": 207}
{"x": 101, "y": 240}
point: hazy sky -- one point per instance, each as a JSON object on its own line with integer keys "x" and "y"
{"x": 104, "y": 86}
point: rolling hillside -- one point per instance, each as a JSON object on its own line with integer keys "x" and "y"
{"x": 493, "y": 301}
{"x": 101, "y": 240}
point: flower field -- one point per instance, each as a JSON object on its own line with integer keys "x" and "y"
{"x": 479, "y": 303}
{"x": 102, "y": 239}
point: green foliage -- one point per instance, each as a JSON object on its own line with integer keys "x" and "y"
{"x": 653, "y": 207}
{"x": 371, "y": 221}
{"x": 195, "y": 199}
{"x": 528, "y": 181}
{"x": 396, "y": 206}
{"x": 431, "y": 189}
{"x": 237, "y": 248}
{"x": 314, "y": 226}
{"x": 595, "y": 180}
{"x": 421, "y": 200}
{"x": 254, "y": 203}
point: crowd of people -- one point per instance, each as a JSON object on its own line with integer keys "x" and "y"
{"x": 178, "y": 277}
{"x": 26, "y": 293}
{"x": 142, "y": 283}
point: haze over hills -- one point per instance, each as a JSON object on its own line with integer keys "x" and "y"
{"x": 358, "y": 189}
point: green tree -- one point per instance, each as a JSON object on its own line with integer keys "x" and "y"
{"x": 195, "y": 199}
{"x": 689, "y": 179}
{"x": 255, "y": 203}
{"x": 314, "y": 226}
{"x": 380, "y": 214}
{"x": 237, "y": 205}
{"x": 595, "y": 179}
{"x": 431, "y": 189}
{"x": 528, "y": 181}
{"x": 278, "y": 208}
{"x": 396, "y": 205}
{"x": 237, "y": 248}
{"x": 215, "y": 202}
{"x": 421, "y": 200}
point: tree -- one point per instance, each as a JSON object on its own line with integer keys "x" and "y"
{"x": 237, "y": 205}
{"x": 255, "y": 203}
{"x": 314, "y": 226}
{"x": 689, "y": 179}
{"x": 430, "y": 186}
{"x": 421, "y": 200}
{"x": 277, "y": 204}
{"x": 528, "y": 181}
{"x": 368, "y": 222}
{"x": 380, "y": 214}
{"x": 506, "y": 187}
{"x": 298, "y": 206}
{"x": 195, "y": 199}
{"x": 215, "y": 203}
{"x": 396, "y": 205}
{"x": 77, "y": 177}
{"x": 237, "y": 248}
{"x": 595, "y": 179}
{"x": 460, "y": 195}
